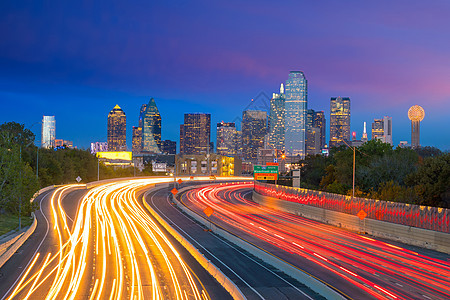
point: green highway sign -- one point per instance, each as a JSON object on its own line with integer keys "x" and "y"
{"x": 265, "y": 169}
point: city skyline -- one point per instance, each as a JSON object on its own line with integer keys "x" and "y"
{"x": 87, "y": 67}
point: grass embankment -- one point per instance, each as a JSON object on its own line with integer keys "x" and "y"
{"x": 10, "y": 222}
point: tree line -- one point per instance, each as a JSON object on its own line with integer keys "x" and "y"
{"x": 25, "y": 168}
{"x": 416, "y": 176}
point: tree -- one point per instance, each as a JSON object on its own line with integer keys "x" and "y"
{"x": 432, "y": 181}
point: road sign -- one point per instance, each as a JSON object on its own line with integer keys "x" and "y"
{"x": 78, "y": 179}
{"x": 265, "y": 169}
{"x": 179, "y": 181}
{"x": 275, "y": 160}
{"x": 361, "y": 214}
{"x": 265, "y": 172}
{"x": 272, "y": 164}
{"x": 266, "y": 176}
{"x": 208, "y": 211}
{"x": 174, "y": 191}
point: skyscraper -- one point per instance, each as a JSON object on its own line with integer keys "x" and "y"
{"x": 48, "y": 132}
{"x": 416, "y": 115}
{"x": 377, "y": 129}
{"x": 296, "y": 105}
{"x": 117, "y": 130}
{"x": 339, "y": 121}
{"x": 321, "y": 123}
{"x": 195, "y": 134}
{"x": 151, "y": 128}
{"x": 313, "y": 132}
{"x": 254, "y": 128}
{"x": 226, "y": 139}
{"x": 136, "y": 140}
{"x": 364, "y": 135}
{"x": 169, "y": 147}
{"x": 277, "y": 120}
{"x": 382, "y": 130}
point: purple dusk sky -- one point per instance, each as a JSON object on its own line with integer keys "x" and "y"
{"x": 77, "y": 60}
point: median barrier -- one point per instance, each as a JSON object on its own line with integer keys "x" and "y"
{"x": 18, "y": 242}
{"x": 434, "y": 240}
{"x": 229, "y": 285}
{"x": 301, "y": 276}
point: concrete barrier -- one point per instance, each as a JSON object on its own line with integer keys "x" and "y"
{"x": 307, "y": 279}
{"x": 425, "y": 238}
{"x": 229, "y": 285}
{"x": 18, "y": 242}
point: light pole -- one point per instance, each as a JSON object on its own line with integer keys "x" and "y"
{"x": 354, "y": 167}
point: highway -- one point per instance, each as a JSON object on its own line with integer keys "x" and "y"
{"x": 101, "y": 243}
{"x": 255, "y": 279}
{"x": 358, "y": 266}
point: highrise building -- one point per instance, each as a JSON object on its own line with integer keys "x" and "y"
{"x": 99, "y": 147}
{"x": 195, "y": 134}
{"x": 226, "y": 139}
{"x": 151, "y": 128}
{"x": 416, "y": 115}
{"x": 117, "y": 130}
{"x": 320, "y": 122}
{"x": 136, "y": 140}
{"x": 169, "y": 147}
{"x": 339, "y": 121}
{"x": 382, "y": 130}
{"x": 141, "y": 114}
{"x": 48, "y": 132}
{"x": 364, "y": 135}
{"x": 254, "y": 128}
{"x": 295, "y": 105}
{"x": 377, "y": 129}
{"x": 277, "y": 120}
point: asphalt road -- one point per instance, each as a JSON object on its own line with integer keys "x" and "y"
{"x": 102, "y": 244}
{"x": 255, "y": 279}
{"x": 359, "y": 266}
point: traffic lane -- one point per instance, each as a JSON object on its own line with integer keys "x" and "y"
{"x": 213, "y": 289}
{"x": 40, "y": 274}
{"x": 340, "y": 283}
{"x": 14, "y": 267}
{"x": 403, "y": 286}
{"x": 409, "y": 273}
{"x": 254, "y": 278}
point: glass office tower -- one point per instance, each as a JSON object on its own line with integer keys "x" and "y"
{"x": 296, "y": 105}
{"x": 151, "y": 128}
{"x": 117, "y": 130}
{"x": 48, "y": 132}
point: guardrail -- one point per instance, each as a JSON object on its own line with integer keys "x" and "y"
{"x": 14, "y": 246}
{"x": 425, "y": 217}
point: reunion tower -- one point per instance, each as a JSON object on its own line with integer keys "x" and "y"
{"x": 415, "y": 114}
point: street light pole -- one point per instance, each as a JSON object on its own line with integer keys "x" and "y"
{"x": 354, "y": 161}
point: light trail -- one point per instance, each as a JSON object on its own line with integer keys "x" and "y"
{"x": 113, "y": 250}
{"x": 400, "y": 273}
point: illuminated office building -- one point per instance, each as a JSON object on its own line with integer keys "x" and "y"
{"x": 48, "y": 132}
{"x": 364, "y": 136}
{"x": 169, "y": 147}
{"x": 99, "y": 147}
{"x": 339, "y": 121}
{"x": 296, "y": 105}
{"x": 226, "y": 139}
{"x": 117, "y": 130}
{"x": 313, "y": 132}
{"x": 416, "y": 114}
{"x": 382, "y": 130}
{"x": 277, "y": 120}
{"x": 141, "y": 114}
{"x": 254, "y": 128}
{"x": 320, "y": 122}
{"x": 136, "y": 140}
{"x": 151, "y": 128}
{"x": 195, "y": 134}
